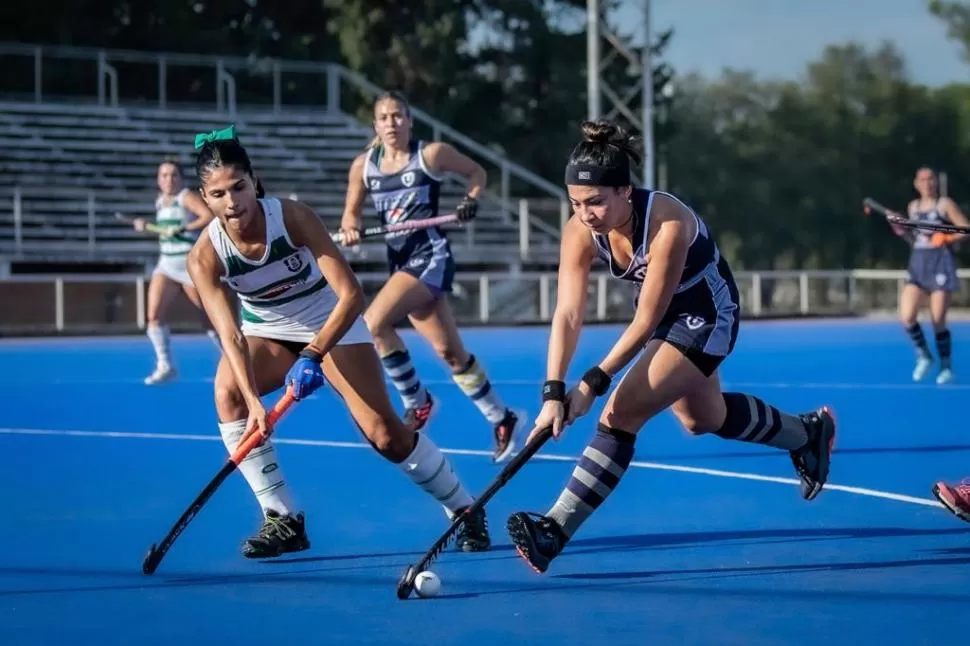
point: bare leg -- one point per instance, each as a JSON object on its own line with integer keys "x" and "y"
{"x": 939, "y": 307}
{"x": 354, "y": 372}
{"x": 910, "y": 302}
{"x": 436, "y": 323}
{"x": 401, "y": 295}
{"x": 283, "y": 528}
{"x": 162, "y": 291}
{"x": 661, "y": 378}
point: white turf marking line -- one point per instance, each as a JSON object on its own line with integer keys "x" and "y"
{"x": 738, "y": 475}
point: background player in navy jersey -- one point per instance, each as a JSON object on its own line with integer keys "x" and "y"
{"x": 403, "y": 178}
{"x": 932, "y": 272}
{"x": 685, "y": 325}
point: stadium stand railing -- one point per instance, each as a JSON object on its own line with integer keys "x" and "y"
{"x": 116, "y": 304}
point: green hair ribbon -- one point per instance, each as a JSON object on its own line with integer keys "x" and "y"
{"x": 203, "y": 138}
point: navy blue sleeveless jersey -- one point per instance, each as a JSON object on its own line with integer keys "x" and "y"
{"x": 704, "y": 315}
{"x": 931, "y": 268}
{"x": 412, "y": 193}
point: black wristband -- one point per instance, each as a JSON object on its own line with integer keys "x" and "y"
{"x": 554, "y": 390}
{"x": 311, "y": 353}
{"x": 597, "y": 380}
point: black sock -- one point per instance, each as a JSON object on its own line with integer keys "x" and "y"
{"x": 751, "y": 420}
{"x": 944, "y": 347}
{"x": 915, "y": 332}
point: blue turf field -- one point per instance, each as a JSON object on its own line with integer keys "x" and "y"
{"x": 706, "y": 542}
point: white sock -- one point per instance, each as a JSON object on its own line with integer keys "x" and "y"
{"x": 261, "y": 470}
{"x": 159, "y": 336}
{"x": 430, "y": 470}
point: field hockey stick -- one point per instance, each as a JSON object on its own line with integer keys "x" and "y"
{"x": 406, "y": 584}
{"x": 938, "y": 227}
{"x": 869, "y": 205}
{"x": 403, "y": 227}
{"x": 941, "y": 227}
{"x": 157, "y": 552}
{"x": 149, "y": 226}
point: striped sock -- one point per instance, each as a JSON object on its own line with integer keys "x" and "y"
{"x": 398, "y": 366}
{"x": 430, "y": 470}
{"x": 944, "y": 347}
{"x": 474, "y": 383}
{"x": 749, "y": 419}
{"x": 596, "y": 475}
{"x": 261, "y": 470}
{"x": 915, "y": 332}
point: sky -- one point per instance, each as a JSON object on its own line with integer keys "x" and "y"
{"x": 778, "y": 38}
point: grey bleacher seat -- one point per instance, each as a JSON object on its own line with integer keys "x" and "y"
{"x": 59, "y": 156}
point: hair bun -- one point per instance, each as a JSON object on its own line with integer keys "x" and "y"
{"x": 603, "y": 132}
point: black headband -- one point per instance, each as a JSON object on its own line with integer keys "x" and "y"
{"x": 597, "y": 175}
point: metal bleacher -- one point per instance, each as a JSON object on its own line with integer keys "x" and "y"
{"x": 67, "y": 166}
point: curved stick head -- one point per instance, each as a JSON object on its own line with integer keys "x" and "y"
{"x": 151, "y": 561}
{"x": 406, "y": 584}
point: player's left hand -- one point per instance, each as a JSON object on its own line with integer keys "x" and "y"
{"x": 306, "y": 375}
{"x": 579, "y": 400}
{"x": 467, "y": 209}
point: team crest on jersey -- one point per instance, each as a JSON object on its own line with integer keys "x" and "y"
{"x": 408, "y": 179}
{"x": 375, "y": 185}
{"x": 640, "y": 272}
{"x": 294, "y": 263}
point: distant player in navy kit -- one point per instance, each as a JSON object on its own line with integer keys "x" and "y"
{"x": 685, "y": 325}
{"x": 932, "y": 272}
{"x": 403, "y": 178}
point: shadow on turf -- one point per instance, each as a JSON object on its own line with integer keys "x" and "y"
{"x": 577, "y": 547}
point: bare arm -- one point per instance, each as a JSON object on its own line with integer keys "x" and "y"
{"x": 954, "y": 212}
{"x": 575, "y": 260}
{"x": 668, "y": 253}
{"x": 356, "y": 192}
{"x": 442, "y": 158}
{"x": 203, "y": 216}
{"x": 957, "y": 217}
{"x": 307, "y": 230}
{"x": 205, "y": 270}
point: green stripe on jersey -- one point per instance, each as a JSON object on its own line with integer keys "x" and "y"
{"x": 278, "y": 249}
{"x": 272, "y": 287}
{"x": 309, "y": 291}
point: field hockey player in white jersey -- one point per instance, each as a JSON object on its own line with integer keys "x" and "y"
{"x": 301, "y": 327}
{"x": 182, "y": 214}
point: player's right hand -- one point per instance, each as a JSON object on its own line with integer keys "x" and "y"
{"x": 552, "y": 413}
{"x": 138, "y": 224}
{"x": 256, "y": 422}
{"x": 350, "y": 237}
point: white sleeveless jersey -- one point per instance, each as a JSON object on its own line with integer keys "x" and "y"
{"x": 283, "y": 295}
{"x": 175, "y": 215}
